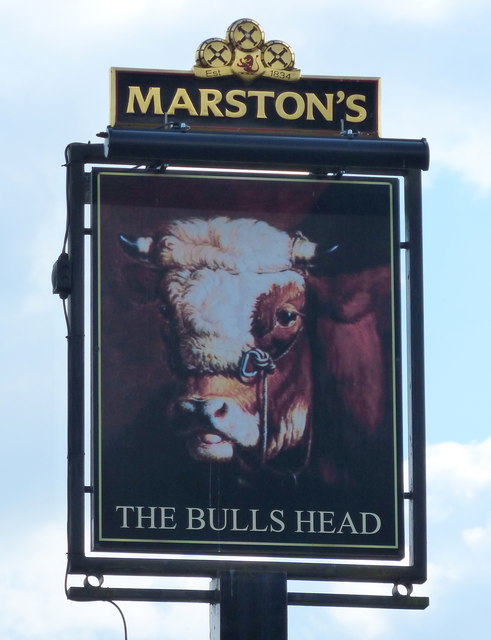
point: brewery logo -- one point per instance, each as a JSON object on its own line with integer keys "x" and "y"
{"x": 245, "y": 54}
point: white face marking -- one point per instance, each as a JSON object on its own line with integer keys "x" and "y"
{"x": 238, "y": 246}
{"x": 214, "y": 312}
{"x": 216, "y": 271}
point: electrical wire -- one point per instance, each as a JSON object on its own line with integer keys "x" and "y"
{"x": 65, "y": 239}
{"x": 125, "y": 628}
{"x": 122, "y": 617}
{"x": 67, "y": 319}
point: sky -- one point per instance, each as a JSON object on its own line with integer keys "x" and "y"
{"x": 433, "y": 57}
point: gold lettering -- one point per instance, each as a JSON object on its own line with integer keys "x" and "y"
{"x": 209, "y": 101}
{"x": 261, "y": 101}
{"x": 352, "y": 103}
{"x": 230, "y": 97}
{"x": 181, "y": 100}
{"x": 280, "y": 105}
{"x": 153, "y": 95}
{"x": 324, "y": 109}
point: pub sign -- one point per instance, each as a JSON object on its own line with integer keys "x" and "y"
{"x": 246, "y": 364}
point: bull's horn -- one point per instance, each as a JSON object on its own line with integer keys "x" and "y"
{"x": 141, "y": 248}
{"x": 302, "y": 249}
{"x": 305, "y": 252}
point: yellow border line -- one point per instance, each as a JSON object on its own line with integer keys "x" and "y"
{"x": 393, "y": 349}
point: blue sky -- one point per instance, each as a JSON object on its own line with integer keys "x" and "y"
{"x": 433, "y": 57}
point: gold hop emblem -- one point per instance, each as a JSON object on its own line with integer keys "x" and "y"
{"x": 245, "y": 53}
{"x": 246, "y": 35}
{"x": 278, "y": 55}
{"x": 214, "y": 52}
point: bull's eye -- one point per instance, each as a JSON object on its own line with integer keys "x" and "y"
{"x": 286, "y": 317}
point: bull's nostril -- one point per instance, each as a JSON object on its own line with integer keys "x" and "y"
{"x": 221, "y": 412}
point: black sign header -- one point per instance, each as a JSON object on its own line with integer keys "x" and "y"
{"x": 151, "y": 99}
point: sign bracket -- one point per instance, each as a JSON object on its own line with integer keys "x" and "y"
{"x": 301, "y": 153}
{"x": 215, "y": 595}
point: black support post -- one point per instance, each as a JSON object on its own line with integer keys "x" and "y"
{"x": 76, "y": 156}
{"x": 252, "y": 606}
{"x": 76, "y": 342}
{"x": 416, "y": 371}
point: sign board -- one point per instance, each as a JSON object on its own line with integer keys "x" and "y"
{"x": 244, "y": 83}
{"x": 246, "y": 364}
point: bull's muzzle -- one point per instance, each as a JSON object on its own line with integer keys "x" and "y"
{"x": 218, "y": 416}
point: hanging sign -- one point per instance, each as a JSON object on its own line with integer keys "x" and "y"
{"x": 242, "y": 83}
{"x": 246, "y": 368}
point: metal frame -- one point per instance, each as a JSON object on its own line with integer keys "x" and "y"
{"x": 402, "y": 158}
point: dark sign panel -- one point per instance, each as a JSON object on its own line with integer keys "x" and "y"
{"x": 246, "y": 365}
{"x": 310, "y": 105}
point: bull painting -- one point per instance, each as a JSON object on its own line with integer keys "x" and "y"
{"x": 271, "y": 357}
{"x": 237, "y": 315}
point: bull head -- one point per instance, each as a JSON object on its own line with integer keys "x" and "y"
{"x": 231, "y": 288}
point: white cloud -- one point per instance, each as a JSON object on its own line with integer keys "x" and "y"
{"x": 478, "y": 536}
{"x": 459, "y": 516}
{"x": 468, "y": 154}
{"x": 36, "y": 300}
{"x": 373, "y": 622}
{"x": 433, "y": 12}
{"x": 33, "y": 603}
{"x": 31, "y": 592}
{"x": 459, "y": 472}
{"x": 458, "y": 142}
{"x": 419, "y": 11}
{"x": 52, "y": 23}
{"x": 346, "y": 623}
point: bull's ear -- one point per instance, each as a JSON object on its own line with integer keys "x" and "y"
{"x": 141, "y": 276}
{"x": 141, "y": 248}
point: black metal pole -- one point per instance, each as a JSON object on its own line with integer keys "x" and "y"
{"x": 76, "y": 413}
{"x": 77, "y": 156}
{"x": 252, "y": 606}
{"x": 417, "y": 465}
